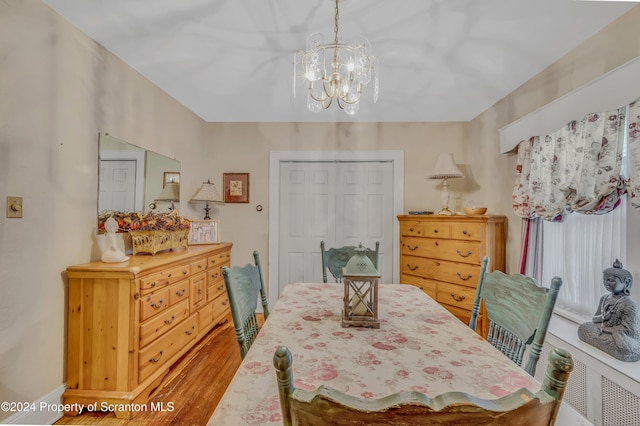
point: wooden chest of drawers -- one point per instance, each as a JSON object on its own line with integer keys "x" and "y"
{"x": 130, "y": 322}
{"x": 442, "y": 256}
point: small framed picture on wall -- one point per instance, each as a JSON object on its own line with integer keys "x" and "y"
{"x": 236, "y": 187}
{"x": 171, "y": 177}
{"x": 204, "y": 232}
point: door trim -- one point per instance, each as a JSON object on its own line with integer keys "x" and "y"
{"x": 276, "y": 157}
{"x": 129, "y": 155}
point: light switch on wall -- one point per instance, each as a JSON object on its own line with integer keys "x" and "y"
{"x": 14, "y": 206}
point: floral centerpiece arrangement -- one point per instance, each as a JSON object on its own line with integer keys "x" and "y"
{"x": 137, "y": 221}
{"x": 150, "y": 232}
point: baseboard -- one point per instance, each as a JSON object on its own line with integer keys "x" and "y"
{"x": 45, "y": 410}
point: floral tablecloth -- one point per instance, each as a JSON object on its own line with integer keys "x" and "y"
{"x": 420, "y": 346}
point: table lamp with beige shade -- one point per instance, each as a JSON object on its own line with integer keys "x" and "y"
{"x": 446, "y": 169}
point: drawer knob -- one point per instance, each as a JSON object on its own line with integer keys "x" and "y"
{"x": 157, "y": 306}
{"x": 154, "y": 360}
{"x": 412, "y": 268}
{"x": 411, "y": 229}
{"x": 181, "y": 293}
{"x": 199, "y": 291}
{"x": 457, "y": 298}
{"x": 463, "y": 278}
{"x": 412, "y": 248}
{"x": 464, "y": 255}
{"x": 185, "y": 272}
{"x": 435, "y": 231}
{"x": 153, "y": 284}
{"x": 170, "y": 321}
{"x": 190, "y": 332}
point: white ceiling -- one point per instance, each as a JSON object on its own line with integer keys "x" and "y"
{"x": 439, "y": 60}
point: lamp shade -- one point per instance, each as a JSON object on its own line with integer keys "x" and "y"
{"x": 170, "y": 192}
{"x": 207, "y": 194}
{"x": 446, "y": 168}
{"x": 360, "y": 265}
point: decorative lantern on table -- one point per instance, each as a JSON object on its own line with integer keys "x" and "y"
{"x": 360, "y": 279}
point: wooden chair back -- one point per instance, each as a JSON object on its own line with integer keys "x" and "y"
{"x": 334, "y": 259}
{"x": 244, "y": 284}
{"x": 326, "y": 406}
{"x": 518, "y": 310}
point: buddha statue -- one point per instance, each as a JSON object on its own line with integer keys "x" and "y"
{"x": 615, "y": 327}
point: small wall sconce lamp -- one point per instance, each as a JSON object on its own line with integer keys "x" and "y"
{"x": 446, "y": 169}
{"x": 360, "y": 279}
{"x": 207, "y": 194}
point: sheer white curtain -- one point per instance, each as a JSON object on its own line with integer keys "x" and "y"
{"x": 578, "y": 250}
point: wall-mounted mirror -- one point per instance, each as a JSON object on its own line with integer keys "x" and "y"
{"x": 132, "y": 178}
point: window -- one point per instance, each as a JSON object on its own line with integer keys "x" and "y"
{"x": 578, "y": 250}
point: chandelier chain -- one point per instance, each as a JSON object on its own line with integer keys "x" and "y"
{"x": 336, "y": 24}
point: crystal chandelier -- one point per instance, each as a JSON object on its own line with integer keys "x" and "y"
{"x": 335, "y": 71}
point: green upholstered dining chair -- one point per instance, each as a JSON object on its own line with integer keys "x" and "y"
{"x": 244, "y": 285}
{"x": 327, "y": 406}
{"x": 334, "y": 259}
{"x": 518, "y": 310}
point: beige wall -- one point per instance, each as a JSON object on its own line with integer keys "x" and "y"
{"x": 245, "y": 147}
{"x": 612, "y": 47}
{"x": 58, "y": 89}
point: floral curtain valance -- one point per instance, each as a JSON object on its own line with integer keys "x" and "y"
{"x": 633, "y": 144}
{"x": 576, "y": 169}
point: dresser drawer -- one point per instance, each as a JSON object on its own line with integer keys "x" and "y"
{"x": 411, "y": 228}
{"x": 154, "y": 303}
{"x": 219, "y": 259}
{"x": 456, "y": 295}
{"x": 163, "y": 278}
{"x": 221, "y": 309}
{"x": 441, "y": 270}
{"x": 427, "y": 286}
{"x": 155, "y": 327}
{"x": 199, "y": 266}
{"x": 215, "y": 273}
{"x": 178, "y": 292}
{"x": 157, "y": 353}
{"x": 435, "y": 248}
{"x": 436, "y": 230}
{"x": 462, "y": 314}
{"x": 467, "y": 231}
{"x": 215, "y": 288}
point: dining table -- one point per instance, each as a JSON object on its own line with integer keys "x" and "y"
{"x": 420, "y": 346}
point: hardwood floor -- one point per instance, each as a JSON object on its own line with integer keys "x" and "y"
{"x": 194, "y": 393}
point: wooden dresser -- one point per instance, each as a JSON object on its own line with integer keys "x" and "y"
{"x": 442, "y": 256}
{"x": 129, "y": 322}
